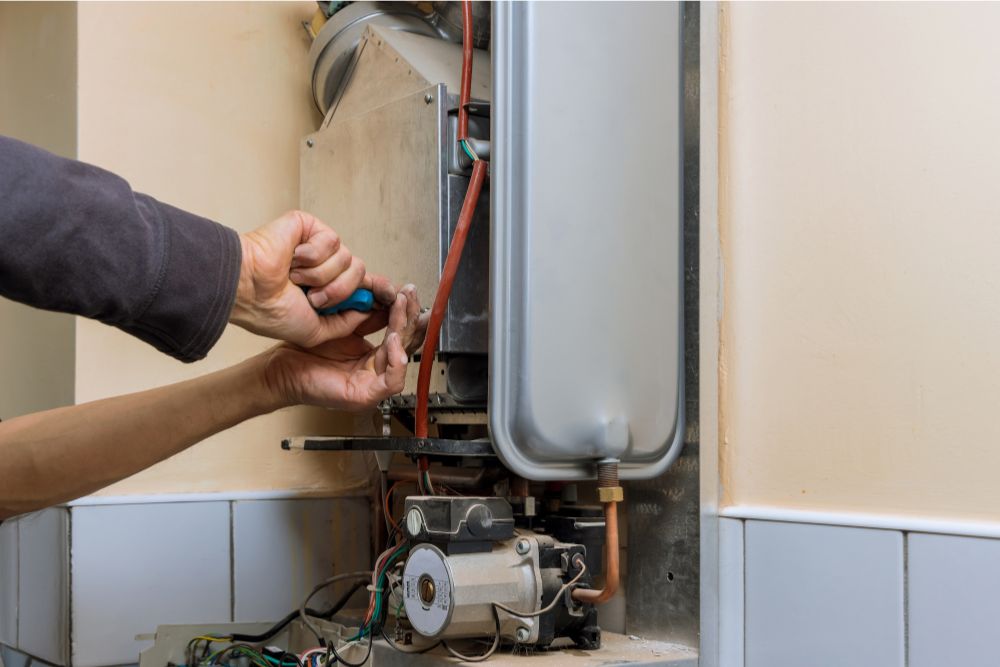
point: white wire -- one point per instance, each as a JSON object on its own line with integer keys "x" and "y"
{"x": 550, "y": 606}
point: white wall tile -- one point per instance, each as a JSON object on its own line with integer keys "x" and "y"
{"x": 731, "y": 588}
{"x": 12, "y": 658}
{"x": 139, "y": 566}
{"x": 954, "y": 600}
{"x": 43, "y": 574}
{"x": 823, "y": 596}
{"x": 282, "y": 548}
{"x": 8, "y": 582}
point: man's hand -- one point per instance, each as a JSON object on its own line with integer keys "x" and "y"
{"x": 297, "y": 249}
{"x": 349, "y": 373}
{"x": 57, "y": 455}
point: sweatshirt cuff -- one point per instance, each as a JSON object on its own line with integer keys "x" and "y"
{"x": 192, "y": 298}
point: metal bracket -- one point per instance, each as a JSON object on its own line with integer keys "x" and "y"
{"x": 404, "y": 445}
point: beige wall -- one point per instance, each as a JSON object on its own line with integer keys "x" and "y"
{"x": 860, "y": 232}
{"x": 37, "y": 105}
{"x": 203, "y": 106}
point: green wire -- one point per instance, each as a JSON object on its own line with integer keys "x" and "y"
{"x": 364, "y": 630}
{"x": 468, "y": 152}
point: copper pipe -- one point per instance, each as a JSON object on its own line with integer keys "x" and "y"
{"x": 519, "y": 487}
{"x": 611, "y": 564}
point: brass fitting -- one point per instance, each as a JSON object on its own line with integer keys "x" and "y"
{"x": 610, "y": 494}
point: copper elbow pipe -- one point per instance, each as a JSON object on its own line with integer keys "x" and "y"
{"x": 611, "y": 565}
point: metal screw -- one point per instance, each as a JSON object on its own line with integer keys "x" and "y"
{"x": 428, "y": 98}
{"x": 522, "y": 547}
{"x": 310, "y": 143}
{"x": 523, "y": 634}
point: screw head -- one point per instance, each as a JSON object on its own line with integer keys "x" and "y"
{"x": 310, "y": 143}
{"x": 414, "y": 522}
{"x": 522, "y": 634}
{"x": 428, "y": 98}
{"x": 522, "y": 547}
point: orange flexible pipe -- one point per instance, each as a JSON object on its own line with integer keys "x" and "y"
{"x": 612, "y": 575}
{"x": 443, "y": 292}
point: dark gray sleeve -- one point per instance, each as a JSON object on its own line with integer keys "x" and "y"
{"x": 75, "y": 238}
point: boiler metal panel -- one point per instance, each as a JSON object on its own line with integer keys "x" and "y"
{"x": 466, "y": 326}
{"x": 586, "y": 346}
{"x": 377, "y": 178}
{"x": 380, "y": 170}
{"x": 380, "y": 179}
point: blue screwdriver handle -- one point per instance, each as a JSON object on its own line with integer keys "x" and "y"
{"x": 361, "y": 300}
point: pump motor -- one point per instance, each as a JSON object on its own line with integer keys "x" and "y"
{"x": 485, "y": 586}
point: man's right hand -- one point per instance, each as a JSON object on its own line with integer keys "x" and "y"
{"x": 298, "y": 250}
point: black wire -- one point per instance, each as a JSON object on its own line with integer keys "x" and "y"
{"x": 280, "y": 625}
{"x": 208, "y": 649}
{"x": 333, "y": 649}
{"x": 396, "y": 646}
{"x": 191, "y": 655}
{"x": 374, "y": 626}
{"x": 294, "y": 657}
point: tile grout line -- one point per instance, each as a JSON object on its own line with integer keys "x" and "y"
{"x": 68, "y": 656}
{"x": 232, "y": 564}
{"x": 17, "y": 570}
{"x": 743, "y": 615}
{"x": 906, "y": 598}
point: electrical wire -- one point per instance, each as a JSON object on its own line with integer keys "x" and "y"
{"x": 373, "y": 618}
{"x": 484, "y": 656}
{"x": 190, "y": 653}
{"x": 465, "y": 95}
{"x": 280, "y": 625}
{"x": 383, "y": 480}
{"x": 392, "y": 644}
{"x": 308, "y": 655}
{"x": 329, "y": 582}
{"x": 258, "y": 657}
{"x": 262, "y": 659}
{"x": 578, "y": 560}
{"x": 347, "y": 663}
{"x": 387, "y": 508}
{"x": 467, "y": 147}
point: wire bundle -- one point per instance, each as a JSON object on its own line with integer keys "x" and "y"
{"x": 424, "y": 481}
{"x": 376, "y": 606}
{"x": 258, "y": 656}
{"x": 255, "y": 656}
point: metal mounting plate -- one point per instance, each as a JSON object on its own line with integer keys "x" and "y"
{"x": 411, "y": 446}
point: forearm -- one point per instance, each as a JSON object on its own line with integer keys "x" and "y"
{"x": 75, "y": 238}
{"x": 58, "y": 455}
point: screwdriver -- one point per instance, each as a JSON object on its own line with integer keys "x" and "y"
{"x": 361, "y": 300}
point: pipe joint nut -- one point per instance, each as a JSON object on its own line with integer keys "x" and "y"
{"x": 611, "y": 494}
